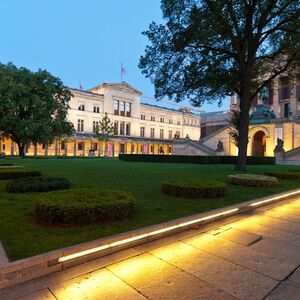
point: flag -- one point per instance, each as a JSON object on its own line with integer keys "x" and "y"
{"x": 80, "y": 86}
{"x": 123, "y": 71}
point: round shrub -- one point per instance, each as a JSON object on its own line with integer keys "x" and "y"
{"x": 14, "y": 173}
{"x": 284, "y": 175}
{"x": 194, "y": 188}
{"x": 253, "y": 180}
{"x": 83, "y": 206}
{"x": 37, "y": 184}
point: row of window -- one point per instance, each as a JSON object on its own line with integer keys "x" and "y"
{"x": 162, "y": 119}
{"x": 122, "y": 108}
{"x": 122, "y": 128}
{"x": 96, "y": 109}
{"x": 161, "y": 133}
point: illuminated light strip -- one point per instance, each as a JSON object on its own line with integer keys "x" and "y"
{"x": 139, "y": 237}
{"x": 275, "y": 198}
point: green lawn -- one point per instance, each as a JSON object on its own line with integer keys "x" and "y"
{"x": 21, "y": 237}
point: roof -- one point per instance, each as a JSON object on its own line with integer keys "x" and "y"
{"x": 215, "y": 116}
{"x": 170, "y": 109}
{"x": 122, "y": 84}
{"x": 85, "y": 92}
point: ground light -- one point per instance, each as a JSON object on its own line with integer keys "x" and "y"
{"x": 142, "y": 236}
{"x": 170, "y": 228}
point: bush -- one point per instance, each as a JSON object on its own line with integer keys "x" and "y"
{"x": 83, "y": 206}
{"x": 194, "y": 188}
{"x": 251, "y": 160}
{"x": 37, "y": 184}
{"x": 253, "y": 180}
{"x": 284, "y": 175}
{"x": 12, "y": 173}
{"x": 6, "y": 164}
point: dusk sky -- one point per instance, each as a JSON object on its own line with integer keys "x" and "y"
{"x": 81, "y": 41}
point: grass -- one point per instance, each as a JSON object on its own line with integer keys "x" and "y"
{"x": 23, "y": 237}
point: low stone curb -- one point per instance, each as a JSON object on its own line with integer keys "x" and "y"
{"x": 33, "y": 267}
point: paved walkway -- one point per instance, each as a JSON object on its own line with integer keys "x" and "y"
{"x": 254, "y": 256}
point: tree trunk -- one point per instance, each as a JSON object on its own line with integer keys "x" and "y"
{"x": 243, "y": 131}
{"x": 21, "y": 147}
{"x": 35, "y": 149}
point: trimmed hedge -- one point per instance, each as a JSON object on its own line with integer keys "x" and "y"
{"x": 284, "y": 175}
{"x": 253, "y": 180}
{"x": 251, "y": 160}
{"x": 6, "y": 164}
{"x": 83, "y": 206}
{"x": 37, "y": 184}
{"x": 194, "y": 188}
{"x": 12, "y": 173}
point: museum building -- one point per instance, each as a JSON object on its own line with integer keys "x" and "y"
{"x": 139, "y": 127}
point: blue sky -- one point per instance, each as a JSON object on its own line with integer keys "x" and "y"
{"x": 80, "y": 41}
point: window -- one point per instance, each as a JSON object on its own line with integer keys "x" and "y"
{"x": 80, "y": 146}
{"x": 143, "y": 117}
{"x": 287, "y": 110}
{"x": 161, "y": 133}
{"x": 152, "y": 132}
{"x": 151, "y": 149}
{"x": 95, "y": 146}
{"x": 178, "y": 122}
{"x": 116, "y": 107}
{"x": 170, "y": 149}
{"x": 122, "y": 108}
{"x": 128, "y": 109}
{"x": 116, "y": 127}
{"x": 142, "y": 132}
{"x": 80, "y": 125}
{"x": 177, "y": 134}
{"x": 170, "y": 121}
{"x": 81, "y": 107}
{"x": 96, "y": 109}
{"x": 170, "y": 134}
{"x": 152, "y": 118}
{"x": 43, "y": 146}
{"x": 127, "y": 128}
{"x": 122, "y": 128}
{"x": 162, "y": 120}
{"x": 95, "y": 126}
{"x": 284, "y": 93}
{"x": 62, "y": 145}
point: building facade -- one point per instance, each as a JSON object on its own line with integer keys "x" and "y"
{"x": 139, "y": 127}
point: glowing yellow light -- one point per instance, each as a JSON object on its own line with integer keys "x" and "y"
{"x": 275, "y": 198}
{"x": 142, "y": 236}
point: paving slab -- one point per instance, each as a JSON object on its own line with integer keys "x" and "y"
{"x": 278, "y": 248}
{"x": 100, "y": 284}
{"x": 285, "y": 216}
{"x": 238, "y": 281}
{"x": 238, "y": 236}
{"x": 44, "y": 294}
{"x": 157, "y": 279}
{"x": 295, "y": 277}
{"x": 265, "y": 264}
{"x": 285, "y": 291}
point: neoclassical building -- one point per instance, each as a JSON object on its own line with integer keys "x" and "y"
{"x": 139, "y": 127}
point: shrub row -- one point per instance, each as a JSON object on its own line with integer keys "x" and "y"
{"x": 194, "y": 189}
{"x": 253, "y": 180}
{"x": 6, "y": 164}
{"x": 284, "y": 175}
{"x": 37, "y": 184}
{"x": 12, "y": 173}
{"x": 83, "y": 206}
{"x": 251, "y": 160}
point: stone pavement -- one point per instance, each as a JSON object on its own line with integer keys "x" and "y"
{"x": 250, "y": 256}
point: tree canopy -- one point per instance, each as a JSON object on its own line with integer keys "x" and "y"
{"x": 208, "y": 49}
{"x": 33, "y": 106}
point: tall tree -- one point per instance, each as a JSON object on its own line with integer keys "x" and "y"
{"x": 209, "y": 49}
{"x": 105, "y": 131}
{"x": 33, "y": 106}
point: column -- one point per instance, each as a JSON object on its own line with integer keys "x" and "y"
{"x": 46, "y": 150}
{"x": 75, "y": 146}
{"x": 56, "y": 148}
{"x": 66, "y": 148}
{"x": 12, "y": 147}
{"x": 83, "y": 147}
